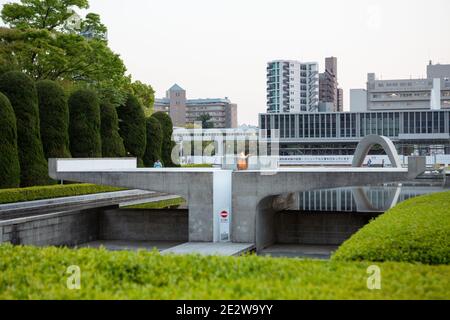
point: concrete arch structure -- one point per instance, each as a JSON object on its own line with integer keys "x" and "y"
{"x": 250, "y": 196}
{"x": 364, "y": 146}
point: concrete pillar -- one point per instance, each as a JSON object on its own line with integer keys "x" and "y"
{"x": 416, "y": 166}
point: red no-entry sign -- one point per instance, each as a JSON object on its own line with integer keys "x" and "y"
{"x": 224, "y": 214}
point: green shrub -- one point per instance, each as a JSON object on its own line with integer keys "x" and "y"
{"x": 84, "y": 128}
{"x": 167, "y": 143}
{"x": 416, "y": 230}
{"x": 162, "y": 204}
{"x": 54, "y": 116}
{"x": 154, "y": 142}
{"x": 48, "y": 192}
{"x": 132, "y": 128}
{"x": 200, "y": 165}
{"x": 41, "y": 273}
{"x": 112, "y": 143}
{"x": 9, "y": 156}
{"x": 21, "y": 92}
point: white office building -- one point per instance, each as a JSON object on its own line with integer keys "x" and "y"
{"x": 292, "y": 86}
{"x": 432, "y": 93}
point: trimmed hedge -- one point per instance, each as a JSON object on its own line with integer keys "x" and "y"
{"x": 112, "y": 143}
{"x": 416, "y": 230}
{"x": 167, "y": 143}
{"x": 9, "y": 156}
{"x": 84, "y": 128}
{"x": 132, "y": 127}
{"x": 54, "y": 116}
{"x": 154, "y": 142}
{"x": 42, "y": 273}
{"x": 199, "y": 165}
{"x": 175, "y": 202}
{"x": 48, "y": 192}
{"x": 21, "y": 92}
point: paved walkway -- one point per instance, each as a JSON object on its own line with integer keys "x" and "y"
{"x": 211, "y": 248}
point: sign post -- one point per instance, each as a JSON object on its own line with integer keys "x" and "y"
{"x": 224, "y": 226}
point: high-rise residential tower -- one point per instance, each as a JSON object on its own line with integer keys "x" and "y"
{"x": 292, "y": 86}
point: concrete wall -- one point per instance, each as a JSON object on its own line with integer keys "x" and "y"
{"x": 70, "y": 228}
{"x": 78, "y": 227}
{"x": 144, "y": 225}
{"x": 322, "y": 228}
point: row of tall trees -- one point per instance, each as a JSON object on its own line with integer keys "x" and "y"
{"x": 38, "y": 121}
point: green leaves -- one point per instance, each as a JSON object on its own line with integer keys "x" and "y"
{"x": 21, "y": 92}
{"x": 59, "y": 56}
{"x": 84, "y": 128}
{"x": 132, "y": 127}
{"x": 47, "y": 192}
{"x": 54, "y": 119}
{"x": 40, "y": 14}
{"x": 417, "y": 230}
{"x": 9, "y": 157}
{"x": 39, "y": 273}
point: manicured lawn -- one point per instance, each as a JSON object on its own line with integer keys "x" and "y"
{"x": 416, "y": 230}
{"x": 159, "y": 204}
{"x": 36, "y": 273}
{"x": 53, "y": 191}
{"x": 204, "y": 165}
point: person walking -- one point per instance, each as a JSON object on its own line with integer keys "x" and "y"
{"x": 157, "y": 164}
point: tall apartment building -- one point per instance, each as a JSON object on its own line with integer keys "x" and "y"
{"x": 292, "y": 86}
{"x": 340, "y": 100}
{"x": 184, "y": 111}
{"x": 411, "y": 94}
{"x": 328, "y": 84}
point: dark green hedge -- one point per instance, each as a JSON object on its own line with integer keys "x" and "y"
{"x": 9, "y": 156}
{"x": 132, "y": 127}
{"x": 84, "y": 128}
{"x": 154, "y": 142}
{"x": 54, "y": 116}
{"x": 416, "y": 230}
{"x": 21, "y": 92}
{"x": 167, "y": 143}
{"x": 112, "y": 143}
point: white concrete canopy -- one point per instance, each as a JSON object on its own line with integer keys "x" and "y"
{"x": 364, "y": 146}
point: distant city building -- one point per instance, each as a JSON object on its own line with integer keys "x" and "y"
{"x": 184, "y": 111}
{"x": 328, "y": 86}
{"x": 340, "y": 100}
{"x": 338, "y": 133}
{"x": 358, "y": 100}
{"x": 328, "y": 89}
{"x": 410, "y": 94}
{"x": 292, "y": 86}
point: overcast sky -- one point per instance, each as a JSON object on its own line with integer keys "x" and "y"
{"x": 218, "y": 48}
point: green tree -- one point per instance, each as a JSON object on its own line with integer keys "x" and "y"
{"x": 54, "y": 116}
{"x": 112, "y": 143}
{"x": 145, "y": 94}
{"x": 167, "y": 144}
{"x": 205, "y": 119}
{"x": 9, "y": 157}
{"x": 21, "y": 92}
{"x": 132, "y": 127}
{"x": 57, "y": 56}
{"x": 154, "y": 142}
{"x": 92, "y": 28}
{"x": 84, "y": 127}
{"x": 41, "y": 14}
